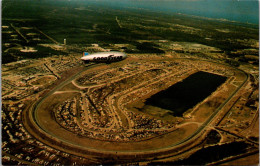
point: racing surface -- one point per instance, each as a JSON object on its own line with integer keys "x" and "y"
{"x": 92, "y": 112}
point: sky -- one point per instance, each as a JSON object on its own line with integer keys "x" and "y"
{"x": 234, "y": 10}
{"x": 246, "y": 11}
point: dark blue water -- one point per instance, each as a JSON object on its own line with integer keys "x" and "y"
{"x": 186, "y": 94}
{"x": 234, "y": 10}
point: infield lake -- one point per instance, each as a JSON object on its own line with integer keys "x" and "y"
{"x": 186, "y": 94}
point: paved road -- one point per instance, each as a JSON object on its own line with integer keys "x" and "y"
{"x": 196, "y": 134}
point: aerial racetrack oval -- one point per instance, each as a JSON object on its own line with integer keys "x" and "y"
{"x": 94, "y": 113}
